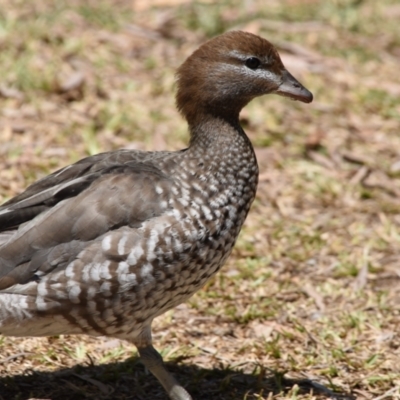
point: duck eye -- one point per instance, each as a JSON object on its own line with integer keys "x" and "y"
{"x": 253, "y": 63}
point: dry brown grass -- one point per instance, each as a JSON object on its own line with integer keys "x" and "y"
{"x": 308, "y": 305}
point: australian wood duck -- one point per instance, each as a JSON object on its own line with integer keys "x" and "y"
{"x": 107, "y": 244}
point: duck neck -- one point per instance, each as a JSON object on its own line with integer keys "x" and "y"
{"x": 221, "y": 155}
{"x": 223, "y": 144}
{"x": 217, "y": 132}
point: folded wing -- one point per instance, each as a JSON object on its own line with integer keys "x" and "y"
{"x": 47, "y": 226}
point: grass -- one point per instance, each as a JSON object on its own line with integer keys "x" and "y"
{"x": 307, "y": 306}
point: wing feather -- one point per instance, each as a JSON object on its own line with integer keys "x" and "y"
{"x": 57, "y": 221}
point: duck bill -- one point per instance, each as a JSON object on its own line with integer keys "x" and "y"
{"x": 292, "y": 88}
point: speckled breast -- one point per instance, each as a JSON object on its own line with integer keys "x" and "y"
{"x": 122, "y": 280}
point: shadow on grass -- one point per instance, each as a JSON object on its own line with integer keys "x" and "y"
{"x": 128, "y": 380}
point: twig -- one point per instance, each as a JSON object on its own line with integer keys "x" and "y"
{"x": 388, "y": 393}
{"x": 13, "y": 357}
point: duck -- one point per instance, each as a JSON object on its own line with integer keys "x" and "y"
{"x": 107, "y": 244}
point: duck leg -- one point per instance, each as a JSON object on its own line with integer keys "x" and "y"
{"x": 153, "y": 361}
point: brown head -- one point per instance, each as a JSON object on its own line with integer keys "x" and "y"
{"x": 227, "y": 72}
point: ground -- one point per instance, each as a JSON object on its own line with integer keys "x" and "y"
{"x": 308, "y": 305}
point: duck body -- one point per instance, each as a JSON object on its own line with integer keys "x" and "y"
{"x": 180, "y": 212}
{"x": 107, "y": 244}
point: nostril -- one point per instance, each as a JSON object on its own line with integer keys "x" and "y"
{"x": 296, "y": 85}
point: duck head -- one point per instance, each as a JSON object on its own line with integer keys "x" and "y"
{"x": 228, "y": 71}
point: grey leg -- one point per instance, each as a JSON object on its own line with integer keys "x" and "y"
{"x": 154, "y": 363}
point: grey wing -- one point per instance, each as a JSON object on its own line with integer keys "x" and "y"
{"x": 74, "y": 213}
{"x": 65, "y": 183}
